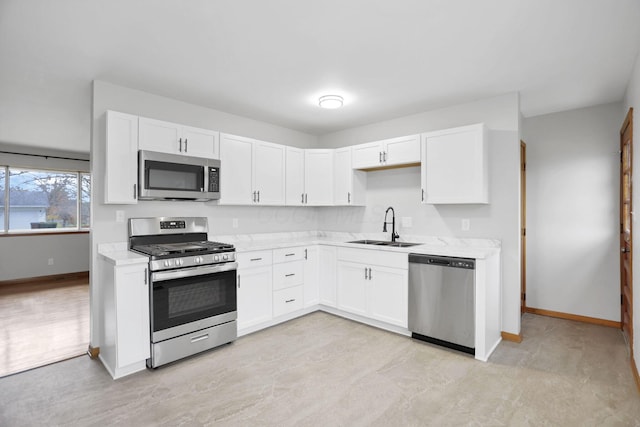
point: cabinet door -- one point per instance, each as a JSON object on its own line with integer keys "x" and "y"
{"x": 235, "y": 170}
{"x": 388, "y": 295}
{"x": 352, "y": 287}
{"x": 157, "y": 135}
{"x": 200, "y": 142}
{"x": 268, "y": 173}
{"x": 349, "y": 185}
{"x": 132, "y": 314}
{"x": 327, "y": 275}
{"x": 318, "y": 177}
{"x": 455, "y": 166}
{"x": 402, "y": 151}
{"x": 121, "y": 159}
{"x": 311, "y": 284}
{"x": 294, "y": 176}
{"x": 255, "y": 296}
{"x": 367, "y": 155}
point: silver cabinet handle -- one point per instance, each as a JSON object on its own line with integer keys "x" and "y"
{"x": 423, "y": 194}
{"x": 302, "y": 198}
{"x": 290, "y": 300}
{"x": 146, "y": 273}
{"x": 384, "y": 156}
{"x": 349, "y": 198}
{"x": 253, "y": 197}
{"x": 258, "y": 196}
{"x": 180, "y": 145}
{"x": 305, "y": 254}
{"x": 238, "y": 281}
{"x": 370, "y": 276}
{"x": 290, "y": 274}
{"x": 380, "y": 157}
{"x": 365, "y": 273}
{"x": 255, "y": 259}
{"x": 186, "y": 141}
{"x": 306, "y": 198}
{"x": 289, "y": 254}
{"x": 135, "y": 193}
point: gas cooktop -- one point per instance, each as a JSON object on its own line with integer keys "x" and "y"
{"x": 183, "y": 248}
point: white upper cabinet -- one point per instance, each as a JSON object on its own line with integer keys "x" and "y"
{"x": 402, "y": 151}
{"x": 349, "y": 185}
{"x": 268, "y": 173}
{"x": 455, "y": 166}
{"x": 318, "y": 177}
{"x": 294, "y": 176}
{"x": 121, "y": 158}
{"x": 251, "y": 171}
{"x": 166, "y": 137}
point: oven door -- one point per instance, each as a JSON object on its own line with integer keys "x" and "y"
{"x": 190, "y": 299}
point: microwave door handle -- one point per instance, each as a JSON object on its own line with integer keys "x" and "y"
{"x": 192, "y": 272}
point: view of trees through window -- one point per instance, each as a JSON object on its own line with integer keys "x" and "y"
{"x": 44, "y": 199}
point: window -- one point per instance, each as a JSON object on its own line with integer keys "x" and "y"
{"x": 43, "y": 200}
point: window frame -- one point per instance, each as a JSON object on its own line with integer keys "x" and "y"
{"x": 78, "y": 229}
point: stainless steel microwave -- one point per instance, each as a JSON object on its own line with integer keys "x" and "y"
{"x": 163, "y": 176}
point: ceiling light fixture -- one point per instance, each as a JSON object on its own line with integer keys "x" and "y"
{"x": 331, "y": 101}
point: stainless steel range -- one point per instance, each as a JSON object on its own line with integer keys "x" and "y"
{"x": 192, "y": 299}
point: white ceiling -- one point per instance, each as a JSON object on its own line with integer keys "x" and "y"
{"x": 270, "y": 60}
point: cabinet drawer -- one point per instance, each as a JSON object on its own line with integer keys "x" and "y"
{"x": 288, "y": 274}
{"x": 288, "y": 300}
{"x": 288, "y": 254}
{"x": 254, "y": 259}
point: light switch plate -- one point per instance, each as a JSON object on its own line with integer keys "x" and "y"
{"x": 466, "y": 224}
{"x": 119, "y": 216}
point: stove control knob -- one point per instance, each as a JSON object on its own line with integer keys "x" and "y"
{"x": 167, "y": 263}
{"x": 225, "y": 257}
{"x": 197, "y": 260}
{"x": 216, "y": 258}
{"x": 180, "y": 261}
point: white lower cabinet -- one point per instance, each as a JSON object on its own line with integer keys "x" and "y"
{"x": 327, "y": 275}
{"x": 288, "y": 280}
{"x": 255, "y": 288}
{"x": 369, "y": 289}
{"x": 125, "y": 327}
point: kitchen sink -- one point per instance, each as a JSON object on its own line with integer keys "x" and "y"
{"x": 385, "y": 243}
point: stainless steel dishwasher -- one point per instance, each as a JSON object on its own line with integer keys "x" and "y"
{"x": 442, "y": 301}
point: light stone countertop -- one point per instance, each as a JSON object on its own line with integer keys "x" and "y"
{"x": 119, "y": 254}
{"x": 445, "y": 246}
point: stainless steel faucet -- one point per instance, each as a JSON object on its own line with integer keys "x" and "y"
{"x": 394, "y": 235}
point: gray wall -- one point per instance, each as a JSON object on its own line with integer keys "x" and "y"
{"x": 573, "y": 167}
{"x": 632, "y": 100}
{"x": 400, "y": 188}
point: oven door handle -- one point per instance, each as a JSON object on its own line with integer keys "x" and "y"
{"x": 193, "y": 271}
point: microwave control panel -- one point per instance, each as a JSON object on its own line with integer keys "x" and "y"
{"x": 214, "y": 179}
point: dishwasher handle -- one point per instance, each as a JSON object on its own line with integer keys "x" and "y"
{"x": 443, "y": 261}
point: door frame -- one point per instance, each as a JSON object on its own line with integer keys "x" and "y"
{"x": 523, "y": 226}
{"x": 626, "y": 235}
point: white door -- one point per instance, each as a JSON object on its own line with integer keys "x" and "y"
{"x": 255, "y": 296}
{"x": 402, "y": 151}
{"x": 200, "y": 142}
{"x": 294, "y": 176}
{"x": 318, "y": 177}
{"x": 367, "y": 155}
{"x": 235, "y": 170}
{"x": 268, "y": 173}
{"x": 121, "y": 159}
{"x": 156, "y": 135}
{"x": 311, "y": 285}
{"x": 352, "y": 287}
{"x": 132, "y": 314}
{"x": 388, "y": 295}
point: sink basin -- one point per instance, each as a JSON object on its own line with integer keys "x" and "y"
{"x": 370, "y": 242}
{"x": 385, "y": 243}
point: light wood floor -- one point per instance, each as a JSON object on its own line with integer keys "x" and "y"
{"x": 42, "y": 323}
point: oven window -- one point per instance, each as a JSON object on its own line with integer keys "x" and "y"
{"x": 173, "y": 176}
{"x": 180, "y": 301}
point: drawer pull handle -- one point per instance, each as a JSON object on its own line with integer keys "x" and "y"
{"x": 290, "y": 300}
{"x": 256, "y": 259}
{"x": 200, "y": 338}
{"x": 290, "y": 274}
{"x": 289, "y": 254}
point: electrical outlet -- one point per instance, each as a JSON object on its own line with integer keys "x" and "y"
{"x": 50, "y": 261}
{"x": 119, "y": 216}
{"x": 466, "y": 224}
{"x": 235, "y": 223}
{"x": 407, "y": 222}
